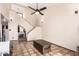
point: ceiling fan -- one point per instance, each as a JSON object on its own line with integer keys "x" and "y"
{"x": 37, "y": 11}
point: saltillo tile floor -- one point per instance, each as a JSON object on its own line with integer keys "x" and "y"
{"x": 27, "y": 49}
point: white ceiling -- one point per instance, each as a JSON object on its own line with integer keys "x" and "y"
{"x": 40, "y": 5}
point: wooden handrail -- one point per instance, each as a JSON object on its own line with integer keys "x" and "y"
{"x": 31, "y": 30}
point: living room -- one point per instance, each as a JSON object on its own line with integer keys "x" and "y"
{"x": 59, "y": 26}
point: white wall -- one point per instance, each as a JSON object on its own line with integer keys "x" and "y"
{"x": 4, "y": 9}
{"x": 62, "y": 25}
{"x": 13, "y": 35}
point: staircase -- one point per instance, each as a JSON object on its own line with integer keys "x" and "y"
{"x": 32, "y": 33}
{"x": 29, "y": 28}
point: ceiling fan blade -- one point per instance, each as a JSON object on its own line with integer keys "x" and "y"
{"x": 33, "y": 13}
{"x": 43, "y": 8}
{"x": 41, "y": 13}
{"x": 31, "y": 8}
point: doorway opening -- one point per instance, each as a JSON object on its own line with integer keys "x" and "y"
{"x": 21, "y": 33}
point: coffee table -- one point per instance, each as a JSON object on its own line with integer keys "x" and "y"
{"x": 42, "y": 46}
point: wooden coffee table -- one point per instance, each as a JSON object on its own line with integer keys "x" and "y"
{"x": 42, "y": 46}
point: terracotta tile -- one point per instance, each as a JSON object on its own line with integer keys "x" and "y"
{"x": 26, "y": 49}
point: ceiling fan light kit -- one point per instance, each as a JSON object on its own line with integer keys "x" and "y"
{"x": 37, "y": 13}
